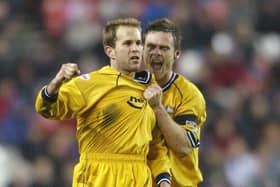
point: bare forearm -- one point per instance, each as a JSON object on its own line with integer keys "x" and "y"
{"x": 174, "y": 135}
{"x": 164, "y": 184}
{"x": 53, "y": 87}
{"x": 66, "y": 72}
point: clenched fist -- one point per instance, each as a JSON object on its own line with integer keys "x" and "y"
{"x": 153, "y": 95}
{"x": 66, "y": 72}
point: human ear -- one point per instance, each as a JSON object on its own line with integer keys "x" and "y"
{"x": 110, "y": 52}
{"x": 177, "y": 55}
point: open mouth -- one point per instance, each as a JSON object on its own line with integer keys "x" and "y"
{"x": 156, "y": 64}
{"x": 134, "y": 58}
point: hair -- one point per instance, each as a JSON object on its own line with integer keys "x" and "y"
{"x": 110, "y": 30}
{"x": 165, "y": 25}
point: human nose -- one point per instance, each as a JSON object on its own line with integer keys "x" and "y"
{"x": 136, "y": 47}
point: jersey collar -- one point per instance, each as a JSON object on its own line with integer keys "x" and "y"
{"x": 109, "y": 70}
{"x": 173, "y": 77}
{"x": 143, "y": 77}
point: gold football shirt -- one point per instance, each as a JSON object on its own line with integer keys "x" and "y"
{"x": 112, "y": 114}
{"x": 186, "y": 105}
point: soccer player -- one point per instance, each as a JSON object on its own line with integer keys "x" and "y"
{"x": 178, "y": 104}
{"x": 114, "y": 121}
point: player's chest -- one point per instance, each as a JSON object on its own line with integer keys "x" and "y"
{"x": 171, "y": 103}
{"x": 125, "y": 98}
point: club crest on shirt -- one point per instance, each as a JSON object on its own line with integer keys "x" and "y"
{"x": 135, "y": 102}
{"x": 169, "y": 109}
{"x": 84, "y": 76}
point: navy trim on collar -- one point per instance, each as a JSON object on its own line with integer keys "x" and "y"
{"x": 143, "y": 77}
{"x": 173, "y": 77}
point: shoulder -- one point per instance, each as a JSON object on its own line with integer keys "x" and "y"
{"x": 86, "y": 77}
{"x": 84, "y": 80}
{"x": 192, "y": 97}
{"x": 187, "y": 87}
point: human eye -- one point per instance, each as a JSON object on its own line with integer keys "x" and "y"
{"x": 150, "y": 46}
{"x": 138, "y": 42}
{"x": 164, "y": 48}
{"x": 127, "y": 42}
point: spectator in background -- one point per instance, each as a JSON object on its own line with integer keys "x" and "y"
{"x": 219, "y": 39}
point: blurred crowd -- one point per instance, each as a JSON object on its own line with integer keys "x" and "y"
{"x": 231, "y": 50}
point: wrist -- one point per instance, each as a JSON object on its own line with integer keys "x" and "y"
{"x": 163, "y": 179}
{"x": 158, "y": 109}
{"x": 47, "y": 97}
{"x": 53, "y": 87}
{"x": 164, "y": 184}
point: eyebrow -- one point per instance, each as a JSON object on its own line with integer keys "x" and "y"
{"x": 131, "y": 40}
{"x": 152, "y": 44}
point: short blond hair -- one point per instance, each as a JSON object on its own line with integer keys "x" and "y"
{"x": 110, "y": 30}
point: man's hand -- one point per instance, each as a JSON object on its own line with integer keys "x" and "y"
{"x": 66, "y": 72}
{"x": 153, "y": 94}
{"x": 164, "y": 184}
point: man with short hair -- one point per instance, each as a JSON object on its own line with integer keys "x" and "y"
{"x": 178, "y": 104}
{"x": 114, "y": 121}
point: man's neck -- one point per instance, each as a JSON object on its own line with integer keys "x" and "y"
{"x": 165, "y": 79}
{"x": 131, "y": 74}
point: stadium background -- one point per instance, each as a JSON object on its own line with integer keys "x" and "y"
{"x": 231, "y": 51}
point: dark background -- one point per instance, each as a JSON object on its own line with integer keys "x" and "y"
{"x": 231, "y": 50}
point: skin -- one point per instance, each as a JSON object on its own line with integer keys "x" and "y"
{"x": 124, "y": 57}
{"x": 159, "y": 56}
{"x": 65, "y": 73}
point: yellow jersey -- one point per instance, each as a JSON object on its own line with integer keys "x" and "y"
{"x": 111, "y": 112}
{"x": 186, "y": 105}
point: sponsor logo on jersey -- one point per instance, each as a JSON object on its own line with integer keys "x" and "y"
{"x": 135, "y": 102}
